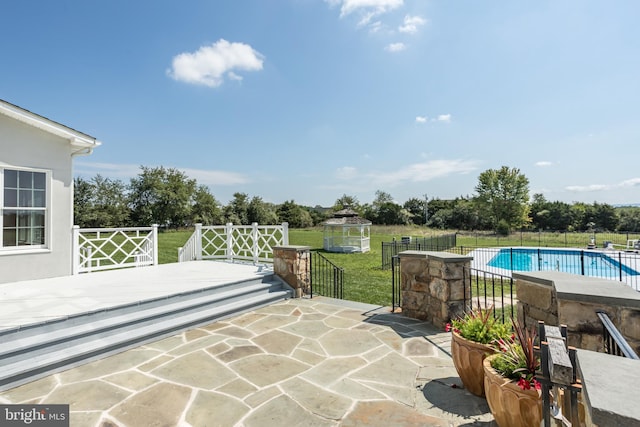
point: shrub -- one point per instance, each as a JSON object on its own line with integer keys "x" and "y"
{"x": 480, "y": 326}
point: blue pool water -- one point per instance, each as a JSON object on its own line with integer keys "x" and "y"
{"x": 595, "y": 264}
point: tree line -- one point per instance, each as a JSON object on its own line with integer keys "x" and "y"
{"x": 168, "y": 197}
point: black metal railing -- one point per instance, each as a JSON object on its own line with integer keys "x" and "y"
{"x": 550, "y": 238}
{"x": 609, "y": 264}
{"x": 614, "y": 342}
{"x": 484, "y": 289}
{"x": 396, "y": 290}
{"x": 434, "y": 243}
{"x": 558, "y": 371}
{"x": 327, "y": 279}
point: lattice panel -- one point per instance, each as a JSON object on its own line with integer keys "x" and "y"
{"x": 103, "y": 249}
{"x": 214, "y": 242}
{"x": 244, "y": 242}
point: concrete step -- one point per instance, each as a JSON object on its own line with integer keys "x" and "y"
{"x": 79, "y": 319}
{"x": 94, "y": 324}
{"x": 57, "y": 346}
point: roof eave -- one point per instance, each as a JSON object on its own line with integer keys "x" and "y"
{"x": 75, "y": 138}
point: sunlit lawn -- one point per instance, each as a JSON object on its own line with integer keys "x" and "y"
{"x": 364, "y": 279}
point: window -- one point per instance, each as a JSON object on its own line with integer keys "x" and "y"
{"x": 24, "y": 208}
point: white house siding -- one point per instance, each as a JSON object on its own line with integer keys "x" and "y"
{"x": 24, "y": 146}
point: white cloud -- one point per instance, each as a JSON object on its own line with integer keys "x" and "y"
{"x": 587, "y": 188}
{"x": 208, "y": 65}
{"x": 346, "y": 173}
{"x": 421, "y": 119}
{"x": 127, "y": 171}
{"x": 109, "y": 170}
{"x": 425, "y": 171}
{"x": 367, "y": 10}
{"x": 213, "y": 177}
{"x": 377, "y": 7}
{"x": 633, "y": 182}
{"x": 395, "y": 47}
{"x": 544, "y": 164}
{"x": 411, "y": 23}
{"x": 443, "y": 118}
{"x": 375, "y": 27}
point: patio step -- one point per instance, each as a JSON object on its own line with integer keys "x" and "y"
{"x": 36, "y": 351}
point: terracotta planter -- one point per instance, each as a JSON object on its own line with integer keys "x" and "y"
{"x": 467, "y": 358}
{"x": 510, "y": 405}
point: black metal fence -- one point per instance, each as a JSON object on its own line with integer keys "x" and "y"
{"x": 396, "y": 290}
{"x": 620, "y": 240}
{"x": 434, "y": 243}
{"x": 623, "y": 266}
{"x": 327, "y": 279}
{"x": 614, "y": 342}
{"x": 484, "y": 289}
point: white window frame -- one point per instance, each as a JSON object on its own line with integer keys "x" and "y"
{"x": 46, "y": 247}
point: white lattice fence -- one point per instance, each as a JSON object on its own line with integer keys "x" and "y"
{"x": 235, "y": 242}
{"x": 96, "y": 249}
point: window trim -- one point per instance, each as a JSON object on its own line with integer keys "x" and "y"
{"x": 44, "y": 248}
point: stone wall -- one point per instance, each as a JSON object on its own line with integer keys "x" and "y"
{"x": 291, "y": 263}
{"x": 433, "y": 285}
{"x": 568, "y": 299}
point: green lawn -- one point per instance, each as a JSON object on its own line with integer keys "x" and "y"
{"x": 364, "y": 280}
{"x": 168, "y": 244}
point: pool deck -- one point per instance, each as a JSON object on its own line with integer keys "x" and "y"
{"x": 301, "y": 362}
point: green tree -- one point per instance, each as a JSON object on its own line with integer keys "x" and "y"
{"x": 415, "y": 207}
{"x": 347, "y": 202}
{"x": 504, "y": 194}
{"x": 605, "y": 216}
{"x": 206, "y": 209}
{"x": 261, "y": 212}
{"x": 385, "y": 211}
{"x": 237, "y": 211}
{"x": 465, "y": 216}
{"x": 629, "y": 219}
{"x": 442, "y": 219}
{"x": 161, "y": 196}
{"x": 82, "y": 191}
{"x": 100, "y": 202}
{"x": 294, "y": 214}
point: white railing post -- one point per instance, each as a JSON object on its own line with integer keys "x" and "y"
{"x": 285, "y": 233}
{"x": 255, "y": 235}
{"x": 229, "y": 231}
{"x": 198, "y": 241}
{"x": 75, "y": 249}
{"x": 154, "y": 235}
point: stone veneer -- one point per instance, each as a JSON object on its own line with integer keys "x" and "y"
{"x": 291, "y": 263}
{"x": 568, "y": 299}
{"x": 433, "y": 285}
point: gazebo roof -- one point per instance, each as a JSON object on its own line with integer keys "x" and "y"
{"x": 347, "y": 217}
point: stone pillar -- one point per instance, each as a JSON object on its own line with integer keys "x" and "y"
{"x": 567, "y": 299}
{"x": 292, "y": 264}
{"x": 537, "y": 299}
{"x": 433, "y": 285}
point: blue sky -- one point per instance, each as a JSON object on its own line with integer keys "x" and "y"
{"x": 308, "y": 100}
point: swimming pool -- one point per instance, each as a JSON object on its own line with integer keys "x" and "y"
{"x": 575, "y": 261}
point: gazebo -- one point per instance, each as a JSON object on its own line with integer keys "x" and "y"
{"x": 346, "y": 232}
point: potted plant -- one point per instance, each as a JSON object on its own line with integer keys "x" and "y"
{"x": 471, "y": 336}
{"x": 512, "y": 390}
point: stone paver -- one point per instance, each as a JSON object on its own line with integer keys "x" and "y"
{"x": 296, "y": 363}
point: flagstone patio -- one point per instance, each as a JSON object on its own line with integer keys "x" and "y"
{"x": 301, "y": 362}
